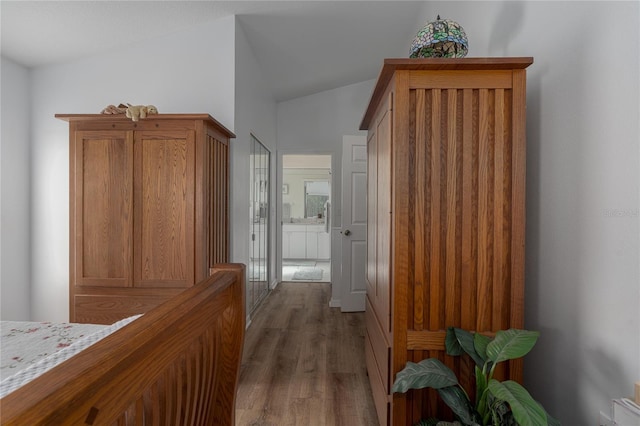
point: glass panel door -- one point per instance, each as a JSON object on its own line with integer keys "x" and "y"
{"x": 259, "y": 227}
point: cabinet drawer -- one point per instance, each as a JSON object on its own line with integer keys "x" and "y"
{"x": 109, "y": 309}
{"x": 378, "y": 390}
{"x": 379, "y": 345}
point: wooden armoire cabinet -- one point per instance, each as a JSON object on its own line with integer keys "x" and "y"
{"x": 149, "y": 210}
{"x": 446, "y": 218}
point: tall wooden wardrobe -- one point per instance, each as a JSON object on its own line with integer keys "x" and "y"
{"x": 149, "y": 210}
{"x": 446, "y": 218}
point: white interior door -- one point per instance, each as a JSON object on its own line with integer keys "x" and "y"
{"x": 354, "y": 223}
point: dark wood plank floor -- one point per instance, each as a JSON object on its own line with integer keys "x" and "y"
{"x": 303, "y": 363}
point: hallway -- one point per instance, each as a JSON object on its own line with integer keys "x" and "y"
{"x": 303, "y": 363}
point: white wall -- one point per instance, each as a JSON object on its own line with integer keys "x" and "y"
{"x": 582, "y": 266}
{"x": 583, "y": 184}
{"x": 255, "y": 114}
{"x": 192, "y": 71}
{"x": 15, "y": 272}
{"x": 316, "y": 124}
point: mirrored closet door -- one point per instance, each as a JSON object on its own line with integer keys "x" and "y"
{"x": 259, "y": 227}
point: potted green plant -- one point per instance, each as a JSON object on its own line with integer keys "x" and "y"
{"x": 496, "y": 403}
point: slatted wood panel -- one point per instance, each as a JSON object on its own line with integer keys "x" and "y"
{"x": 219, "y": 185}
{"x": 456, "y": 235}
{"x": 162, "y": 403}
{"x": 176, "y": 365}
{"x": 462, "y": 210}
{"x": 461, "y": 142}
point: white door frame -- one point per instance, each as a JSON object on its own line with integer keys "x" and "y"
{"x": 279, "y": 181}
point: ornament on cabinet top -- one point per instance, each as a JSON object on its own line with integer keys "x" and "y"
{"x": 112, "y": 109}
{"x": 134, "y": 112}
{"x": 442, "y": 38}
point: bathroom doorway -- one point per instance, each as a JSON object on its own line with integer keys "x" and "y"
{"x": 306, "y": 218}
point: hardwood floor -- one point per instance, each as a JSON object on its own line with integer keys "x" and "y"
{"x": 303, "y": 363}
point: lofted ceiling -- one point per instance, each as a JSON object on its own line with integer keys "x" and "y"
{"x": 302, "y": 47}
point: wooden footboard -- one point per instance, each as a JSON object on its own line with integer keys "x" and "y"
{"x": 176, "y": 365}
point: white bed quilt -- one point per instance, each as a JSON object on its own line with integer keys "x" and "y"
{"x": 25, "y": 343}
{"x": 29, "y": 349}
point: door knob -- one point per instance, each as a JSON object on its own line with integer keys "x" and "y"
{"x": 347, "y": 232}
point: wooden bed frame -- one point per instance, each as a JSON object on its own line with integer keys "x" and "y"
{"x": 176, "y": 365}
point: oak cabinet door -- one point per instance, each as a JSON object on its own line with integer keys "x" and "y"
{"x": 383, "y": 221}
{"x": 379, "y": 197}
{"x": 164, "y": 193}
{"x": 102, "y": 208}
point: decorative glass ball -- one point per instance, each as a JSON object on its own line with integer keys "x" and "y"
{"x": 442, "y": 38}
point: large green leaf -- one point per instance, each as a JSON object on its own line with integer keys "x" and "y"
{"x": 451, "y": 343}
{"x": 459, "y": 403}
{"x": 480, "y": 342}
{"x": 458, "y": 341}
{"x": 511, "y": 344}
{"x": 526, "y": 410}
{"x": 428, "y": 373}
{"x": 481, "y": 395}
